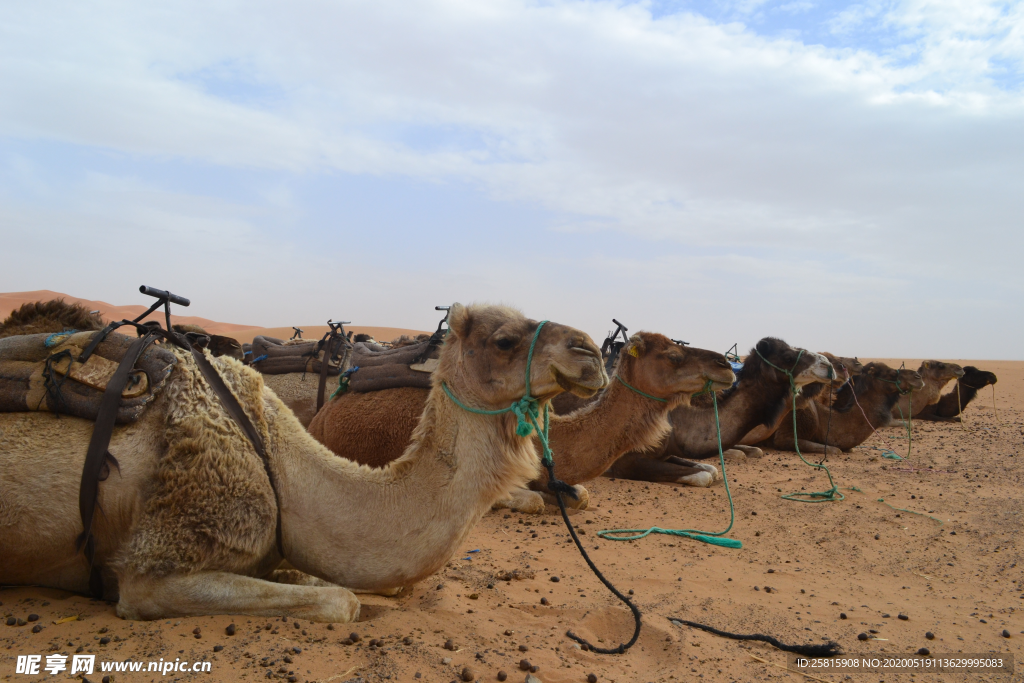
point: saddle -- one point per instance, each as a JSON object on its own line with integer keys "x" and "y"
{"x": 406, "y": 366}
{"x": 44, "y": 372}
{"x": 273, "y": 356}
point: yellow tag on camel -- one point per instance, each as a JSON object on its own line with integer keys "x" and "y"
{"x": 633, "y": 352}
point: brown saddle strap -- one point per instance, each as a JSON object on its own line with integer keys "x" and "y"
{"x": 97, "y": 454}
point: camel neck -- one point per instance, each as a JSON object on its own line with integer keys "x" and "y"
{"x": 378, "y": 528}
{"x": 748, "y": 405}
{"x": 586, "y": 442}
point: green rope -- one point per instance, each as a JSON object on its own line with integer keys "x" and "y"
{"x": 711, "y": 537}
{"x": 630, "y": 386}
{"x": 805, "y": 496}
{"x": 913, "y": 512}
{"x": 526, "y": 409}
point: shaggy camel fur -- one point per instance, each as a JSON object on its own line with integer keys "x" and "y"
{"x": 876, "y": 391}
{"x": 374, "y": 428}
{"x": 936, "y": 375}
{"x": 952, "y": 404}
{"x": 760, "y": 396}
{"x": 55, "y": 315}
{"x": 188, "y": 525}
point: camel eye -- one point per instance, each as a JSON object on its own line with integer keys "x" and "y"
{"x": 504, "y": 344}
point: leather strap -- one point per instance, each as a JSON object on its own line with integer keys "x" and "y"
{"x": 96, "y": 455}
{"x": 330, "y": 344}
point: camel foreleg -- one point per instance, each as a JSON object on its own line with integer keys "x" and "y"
{"x": 294, "y": 577}
{"x": 522, "y": 500}
{"x": 807, "y": 446}
{"x": 665, "y": 471}
{"x": 209, "y": 592}
{"x": 581, "y": 502}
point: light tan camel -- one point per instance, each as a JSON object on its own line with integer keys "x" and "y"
{"x": 188, "y": 525}
{"x": 374, "y": 428}
{"x": 936, "y": 375}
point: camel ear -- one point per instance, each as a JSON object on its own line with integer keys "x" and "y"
{"x": 459, "y": 320}
{"x": 636, "y": 346}
{"x": 925, "y": 365}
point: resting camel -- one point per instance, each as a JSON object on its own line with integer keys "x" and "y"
{"x": 876, "y": 389}
{"x": 813, "y": 391}
{"x": 51, "y": 316}
{"x": 935, "y": 374}
{"x": 761, "y": 395}
{"x": 952, "y": 404}
{"x": 188, "y": 525}
{"x": 374, "y": 428}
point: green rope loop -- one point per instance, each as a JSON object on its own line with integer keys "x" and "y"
{"x": 525, "y": 409}
{"x": 646, "y": 395}
{"x": 833, "y": 493}
{"x": 711, "y": 537}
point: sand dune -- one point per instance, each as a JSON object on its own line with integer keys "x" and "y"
{"x": 244, "y": 333}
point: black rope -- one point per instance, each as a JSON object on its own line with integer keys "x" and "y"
{"x": 829, "y": 649}
{"x": 558, "y": 487}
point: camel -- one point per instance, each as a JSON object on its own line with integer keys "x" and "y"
{"x": 188, "y": 524}
{"x": 876, "y": 389}
{"x": 935, "y": 374}
{"x": 950, "y": 405}
{"x": 762, "y": 394}
{"x": 844, "y": 368}
{"x": 55, "y": 315}
{"x": 374, "y": 428}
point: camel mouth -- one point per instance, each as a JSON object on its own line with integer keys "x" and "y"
{"x": 584, "y": 386}
{"x": 719, "y": 380}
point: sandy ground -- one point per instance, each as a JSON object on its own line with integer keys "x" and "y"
{"x": 10, "y": 301}
{"x": 949, "y": 562}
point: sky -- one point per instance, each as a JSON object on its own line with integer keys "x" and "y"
{"x": 844, "y": 175}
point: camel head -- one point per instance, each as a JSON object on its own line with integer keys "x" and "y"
{"x": 939, "y": 371}
{"x": 894, "y": 381}
{"x": 977, "y": 379}
{"x": 846, "y": 368}
{"x": 656, "y": 365}
{"x": 807, "y": 367}
{"x": 484, "y": 357}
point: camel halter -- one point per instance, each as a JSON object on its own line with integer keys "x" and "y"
{"x": 833, "y": 493}
{"x": 527, "y": 411}
{"x": 645, "y": 395}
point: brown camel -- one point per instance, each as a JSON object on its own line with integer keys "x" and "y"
{"x": 760, "y": 396}
{"x": 814, "y": 391}
{"x": 936, "y": 375}
{"x": 374, "y": 428}
{"x": 188, "y": 524}
{"x": 952, "y": 404}
{"x": 876, "y": 389}
{"x": 51, "y": 316}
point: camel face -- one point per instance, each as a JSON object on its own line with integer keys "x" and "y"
{"x": 815, "y": 368}
{"x": 489, "y": 349}
{"x": 939, "y": 371}
{"x": 912, "y": 379}
{"x": 895, "y": 381}
{"x": 673, "y": 371}
{"x": 977, "y": 379}
{"x": 846, "y": 368}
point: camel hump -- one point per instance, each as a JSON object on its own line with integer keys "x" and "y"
{"x": 42, "y": 372}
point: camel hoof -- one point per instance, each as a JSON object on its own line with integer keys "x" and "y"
{"x": 702, "y": 479}
{"x": 582, "y": 502}
{"x": 753, "y": 452}
{"x": 733, "y": 455}
{"x": 523, "y": 501}
{"x": 340, "y": 607}
{"x": 709, "y": 468}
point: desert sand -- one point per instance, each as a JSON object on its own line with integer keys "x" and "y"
{"x": 935, "y": 538}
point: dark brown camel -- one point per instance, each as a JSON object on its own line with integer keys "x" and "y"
{"x": 952, "y": 404}
{"x": 761, "y": 395}
{"x": 55, "y": 315}
{"x": 876, "y": 389}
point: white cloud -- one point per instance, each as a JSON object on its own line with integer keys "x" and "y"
{"x": 678, "y": 131}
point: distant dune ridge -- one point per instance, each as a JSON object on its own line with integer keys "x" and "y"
{"x": 10, "y": 301}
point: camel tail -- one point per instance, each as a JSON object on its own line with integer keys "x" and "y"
{"x": 829, "y": 649}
